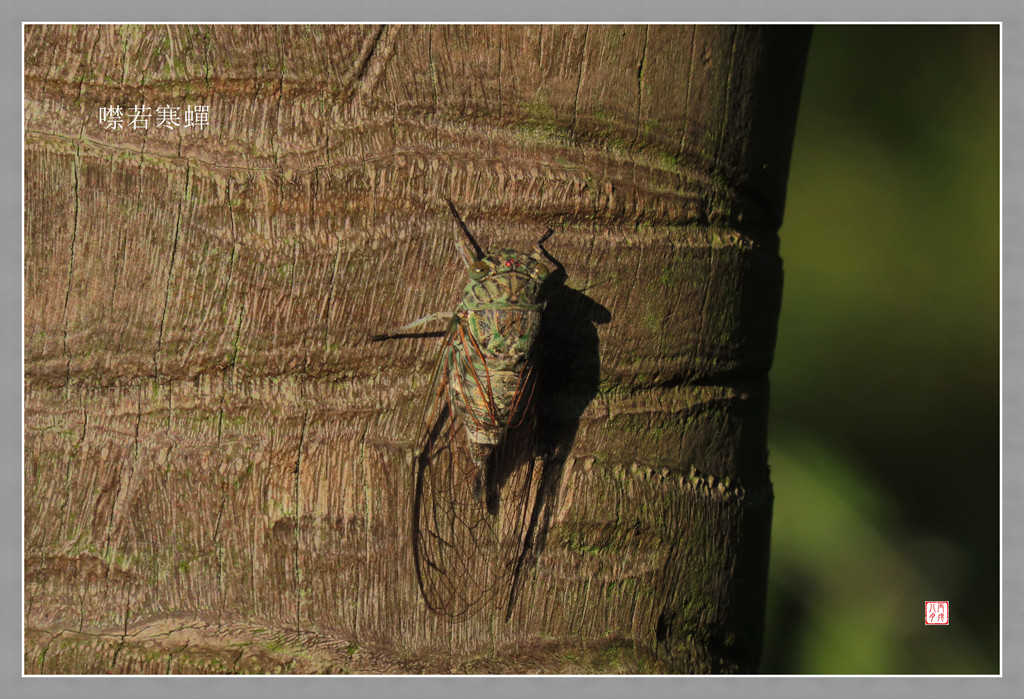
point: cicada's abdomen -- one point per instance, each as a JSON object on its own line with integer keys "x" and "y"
{"x": 490, "y": 367}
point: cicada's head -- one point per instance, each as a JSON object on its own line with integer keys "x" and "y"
{"x": 508, "y": 262}
{"x": 505, "y": 277}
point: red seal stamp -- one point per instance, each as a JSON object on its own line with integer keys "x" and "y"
{"x": 936, "y": 613}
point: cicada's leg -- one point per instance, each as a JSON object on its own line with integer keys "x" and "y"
{"x": 398, "y": 332}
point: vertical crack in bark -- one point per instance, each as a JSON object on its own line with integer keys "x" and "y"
{"x": 501, "y": 47}
{"x": 238, "y": 659}
{"x": 234, "y": 354}
{"x": 639, "y": 274}
{"x": 251, "y": 570}
{"x": 433, "y": 84}
{"x": 727, "y": 98}
{"x": 206, "y": 59}
{"x": 46, "y": 649}
{"x": 170, "y": 270}
{"x": 583, "y": 613}
{"x": 280, "y": 100}
{"x": 699, "y": 352}
{"x": 329, "y": 303}
{"x": 124, "y": 484}
{"x": 81, "y": 610}
{"x": 540, "y": 45}
{"x": 75, "y": 166}
{"x": 30, "y": 598}
{"x": 368, "y": 57}
{"x": 171, "y": 47}
{"x": 87, "y": 61}
{"x": 55, "y": 39}
{"x": 588, "y": 282}
{"x": 124, "y": 266}
{"x": 172, "y": 654}
{"x": 28, "y": 36}
{"x": 124, "y": 61}
{"x": 295, "y": 556}
{"x": 367, "y": 527}
{"x": 579, "y": 82}
{"x": 121, "y": 644}
{"x": 640, "y": 89}
{"x": 220, "y": 553}
{"x": 314, "y": 192}
{"x": 170, "y": 407}
{"x": 686, "y": 96}
{"x": 639, "y": 119}
{"x": 73, "y": 461}
{"x": 118, "y": 268}
{"x": 292, "y": 297}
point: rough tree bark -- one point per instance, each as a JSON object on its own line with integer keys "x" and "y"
{"x": 218, "y": 466}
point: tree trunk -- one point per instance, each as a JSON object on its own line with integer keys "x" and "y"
{"x": 220, "y": 467}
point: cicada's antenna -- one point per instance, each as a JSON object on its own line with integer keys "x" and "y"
{"x": 478, "y": 253}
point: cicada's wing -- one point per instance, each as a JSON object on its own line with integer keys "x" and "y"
{"x": 469, "y": 550}
{"x": 514, "y": 482}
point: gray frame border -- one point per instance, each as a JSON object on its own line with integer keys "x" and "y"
{"x": 1009, "y": 12}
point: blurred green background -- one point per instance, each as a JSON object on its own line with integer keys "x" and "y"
{"x": 884, "y": 434}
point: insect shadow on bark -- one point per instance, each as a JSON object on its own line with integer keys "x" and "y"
{"x": 570, "y": 376}
{"x": 501, "y": 417}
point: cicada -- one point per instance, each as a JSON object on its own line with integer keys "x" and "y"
{"x": 476, "y": 467}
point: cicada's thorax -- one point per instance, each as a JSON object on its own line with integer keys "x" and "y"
{"x": 491, "y": 358}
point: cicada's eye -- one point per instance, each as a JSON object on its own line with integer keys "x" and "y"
{"x": 479, "y": 269}
{"x": 540, "y": 270}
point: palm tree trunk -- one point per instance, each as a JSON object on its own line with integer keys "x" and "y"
{"x": 220, "y": 467}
